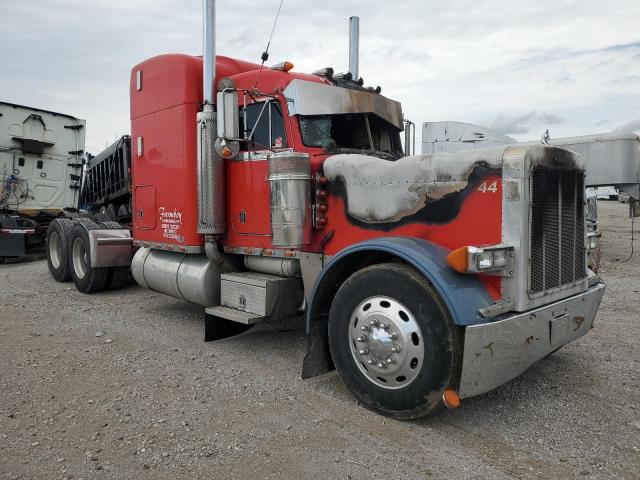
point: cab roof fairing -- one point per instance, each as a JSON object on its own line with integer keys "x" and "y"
{"x": 313, "y": 98}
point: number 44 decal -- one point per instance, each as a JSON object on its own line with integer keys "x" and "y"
{"x": 488, "y": 187}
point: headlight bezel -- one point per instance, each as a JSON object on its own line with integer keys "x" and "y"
{"x": 491, "y": 260}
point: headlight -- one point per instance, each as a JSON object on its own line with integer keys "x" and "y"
{"x": 499, "y": 258}
{"x": 491, "y": 259}
{"x": 485, "y": 260}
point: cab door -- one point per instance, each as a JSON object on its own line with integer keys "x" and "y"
{"x": 247, "y": 187}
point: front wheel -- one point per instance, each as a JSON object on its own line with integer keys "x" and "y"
{"x": 393, "y": 341}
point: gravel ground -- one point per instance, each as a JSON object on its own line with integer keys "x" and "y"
{"x": 149, "y": 399}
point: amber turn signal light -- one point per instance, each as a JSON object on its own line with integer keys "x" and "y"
{"x": 283, "y": 66}
{"x": 458, "y": 259}
{"x": 226, "y": 152}
{"x": 450, "y": 399}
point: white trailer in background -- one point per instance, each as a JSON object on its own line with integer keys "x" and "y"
{"x": 41, "y": 158}
{"x": 610, "y": 158}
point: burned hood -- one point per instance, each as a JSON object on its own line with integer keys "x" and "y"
{"x": 378, "y": 191}
{"x": 383, "y": 191}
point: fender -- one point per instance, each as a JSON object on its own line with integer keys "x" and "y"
{"x": 463, "y": 294}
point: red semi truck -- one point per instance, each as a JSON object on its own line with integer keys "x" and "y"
{"x": 262, "y": 193}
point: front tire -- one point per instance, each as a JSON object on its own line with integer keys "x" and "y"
{"x": 393, "y": 341}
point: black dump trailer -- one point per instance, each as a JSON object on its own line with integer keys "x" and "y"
{"x": 106, "y": 189}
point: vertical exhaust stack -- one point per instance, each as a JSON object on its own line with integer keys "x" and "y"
{"x": 210, "y": 167}
{"x": 354, "y": 47}
{"x": 208, "y": 52}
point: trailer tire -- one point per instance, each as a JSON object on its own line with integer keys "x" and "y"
{"x": 57, "y": 241}
{"x": 124, "y": 212}
{"x": 112, "y": 211}
{"x": 393, "y": 341}
{"x": 86, "y": 278}
{"x": 101, "y": 217}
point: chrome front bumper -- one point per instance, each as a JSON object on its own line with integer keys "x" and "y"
{"x": 496, "y": 352}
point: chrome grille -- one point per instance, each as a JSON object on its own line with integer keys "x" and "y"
{"x": 557, "y": 229}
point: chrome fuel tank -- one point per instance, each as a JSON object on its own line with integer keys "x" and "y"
{"x": 191, "y": 277}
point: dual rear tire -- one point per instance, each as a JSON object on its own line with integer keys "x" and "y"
{"x": 69, "y": 256}
{"x": 87, "y": 279}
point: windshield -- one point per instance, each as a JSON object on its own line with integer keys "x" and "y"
{"x": 352, "y": 131}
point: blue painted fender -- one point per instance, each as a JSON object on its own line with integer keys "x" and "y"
{"x": 463, "y": 294}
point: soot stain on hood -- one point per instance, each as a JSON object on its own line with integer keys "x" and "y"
{"x": 438, "y": 209}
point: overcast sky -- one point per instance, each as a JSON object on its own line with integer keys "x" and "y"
{"x": 517, "y": 66}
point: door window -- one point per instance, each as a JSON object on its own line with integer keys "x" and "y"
{"x": 263, "y": 126}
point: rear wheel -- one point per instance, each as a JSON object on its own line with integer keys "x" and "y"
{"x": 58, "y": 238}
{"x": 393, "y": 341}
{"x": 86, "y": 278}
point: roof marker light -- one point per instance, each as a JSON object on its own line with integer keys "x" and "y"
{"x": 324, "y": 72}
{"x": 283, "y": 66}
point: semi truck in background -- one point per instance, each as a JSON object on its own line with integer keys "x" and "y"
{"x": 261, "y": 193}
{"x": 45, "y": 174}
{"x": 41, "y": 158}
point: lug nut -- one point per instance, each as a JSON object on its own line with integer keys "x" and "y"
{"x": 363, "y": 351}
{"x": 365, "y": 328}
{"x": 394, "y": 335}
{"x": 373, "y": 323}
{"x": 370, "y": 362}
{"x": 395, "y": 349}
{"x": 391, "y": 360}
{"x": 384, "y": 326}
{"x": 382, "y": 365}
{"x": 362, "y": 338}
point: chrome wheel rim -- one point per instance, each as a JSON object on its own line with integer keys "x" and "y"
{"x": 79, "y": 255}
{"x": 386, "y": 342}
{"x": 55, "y": 249}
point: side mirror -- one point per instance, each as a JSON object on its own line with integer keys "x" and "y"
{"x": 227, "y": 114}
{"x": 226, "y": 149}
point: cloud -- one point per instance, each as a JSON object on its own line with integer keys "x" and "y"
{"x": 524, "y": 122}
{"x": 464, "y": 60}
{"x": 632, "y": 126}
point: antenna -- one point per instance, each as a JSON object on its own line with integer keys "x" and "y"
{"x": 265, "y": 54}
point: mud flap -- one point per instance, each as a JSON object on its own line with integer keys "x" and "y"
{"x": 317, "y": 360}
{"x": 216, "y": 328}
{"x": 12, "y": 245}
